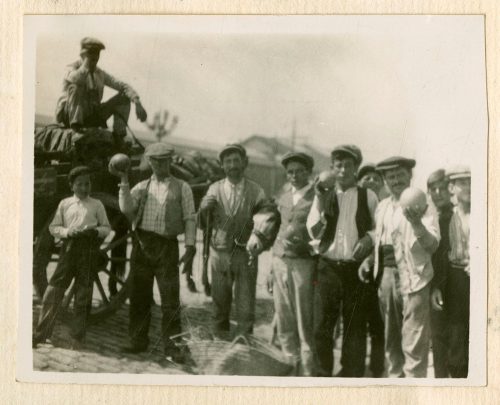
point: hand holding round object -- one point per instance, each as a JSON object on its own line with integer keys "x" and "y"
{"x": 119, "y": 163}
{"x": 414, "y": 199}
{"x": 326, "y": 179}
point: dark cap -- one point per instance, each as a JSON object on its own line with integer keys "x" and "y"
{"x": 232, "y": 147}
{"x": 159, "y": 150}
{"x": 395, "y": 162}
{"x": 351, "y": 150}
{"x": 367, "y": 168}
{"x": 458, "y": 172}
{"x": 78, "y": 171}
{"x": 91, "y": 44}
{"x": 300, "y": 157}
{"x": 434, "y": 177}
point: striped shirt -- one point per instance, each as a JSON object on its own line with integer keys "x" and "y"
{"x": 81, "y": 214}
{"x": 153, "y": 217}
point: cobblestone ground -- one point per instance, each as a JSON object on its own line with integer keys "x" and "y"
{"x": 101, "y": 351}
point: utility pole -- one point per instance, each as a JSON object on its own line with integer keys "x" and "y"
{"x": 294, "y": 133}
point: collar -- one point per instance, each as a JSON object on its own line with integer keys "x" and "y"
{"x": 165, "y": 180}
{"x": 338, "y": 191}
{"x": 237, "y": 185}
{"x": 300, "y": 190}
{"x": 76, "y": 198}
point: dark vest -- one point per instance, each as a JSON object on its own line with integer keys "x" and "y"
{"x": 363, "y": 218}
{"x": 232, "y": 229}
{"x": 174, "y": 221}
{"x": 293, "y": 223}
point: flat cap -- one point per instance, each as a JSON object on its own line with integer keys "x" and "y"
{"x": 367, "y": 168}
{"x": 91, "y": 44}
{"x": 458, "y": 172}
{"x": 159, "y": 150}
{"x": 394, "y": 162}
{"x": 300, "y": 157}
{"x": 434, "y": 177}
{"x": 351, "y": 150}
{"x": 232, "y": 147}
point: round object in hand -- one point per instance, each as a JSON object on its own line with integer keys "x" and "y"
{"x": 414, "y": 198}
{"x": 120, "y": 162}
{"x": 327, "y": 179}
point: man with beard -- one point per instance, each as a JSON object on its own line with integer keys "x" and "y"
{"x": 231, "y": 204}
{"x": 338, "y": 224}
{"x": 405, "y": 239}
{"x": 437, "y": 188}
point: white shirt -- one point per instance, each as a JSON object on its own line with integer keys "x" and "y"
{"x": 234, "y": 193}
{"x": 346, "y": 232}
{"x": 73, "y": 212}
{"x": 413, "y": 262}
{"x": 297, "y": 194}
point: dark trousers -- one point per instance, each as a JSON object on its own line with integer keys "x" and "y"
{"x": 371, "y": 309}
{"x": 450, "y": 328}
{"x": 158, "y": 258}
{"x": 339, "y": 284}
{"x": 457, "y": 310}
{"x": 79, "y": 110}
{"x": 78, "y": 260}
{"x": 440, "y": 337}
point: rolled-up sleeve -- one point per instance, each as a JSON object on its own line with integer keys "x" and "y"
{"x": 129, "y": 200}
{"x": 56, "y": 227}
{"x": 103, "y": 227}
{"x": 77, "y": 76}
{"x": 429, "y": 235}
{"x": 188, "y": 215}
{"x": 120, "y": 86}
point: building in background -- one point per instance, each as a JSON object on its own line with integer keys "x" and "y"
{"x": 264, "y": 153}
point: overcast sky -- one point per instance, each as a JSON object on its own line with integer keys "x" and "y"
{"x": 413, "y": 86}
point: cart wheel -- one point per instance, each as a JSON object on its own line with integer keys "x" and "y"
{"x": 111, "y": 276}
{"x": 104, "y": 303}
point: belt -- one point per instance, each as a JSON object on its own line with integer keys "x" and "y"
{"x": 340, "y": 263}
{"x": 456, "y": 266}
{"x": 387, "y": 255}
{"x": 156, "y": 235}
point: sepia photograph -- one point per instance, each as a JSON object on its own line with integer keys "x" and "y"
{"x": 254, "y": 200}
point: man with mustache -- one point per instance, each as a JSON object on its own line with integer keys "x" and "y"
{"x": 232, "y": 203}
{"x": 338, "y": 224}
{"x": 405, "y": 239}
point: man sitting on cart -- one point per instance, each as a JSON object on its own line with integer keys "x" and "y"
{"x": 80, "y": 105}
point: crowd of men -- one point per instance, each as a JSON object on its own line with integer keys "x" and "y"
{"x": 349, "y": 245}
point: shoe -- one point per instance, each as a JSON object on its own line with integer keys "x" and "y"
{"x": 134, "y": 349}
{"x": 176, "y": 355}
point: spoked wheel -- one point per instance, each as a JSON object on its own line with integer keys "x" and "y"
{"x": 111, "y": 286}
{"x": 105, "y": 303}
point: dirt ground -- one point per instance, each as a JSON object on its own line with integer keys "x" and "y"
{"x": 101, "y": 351}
